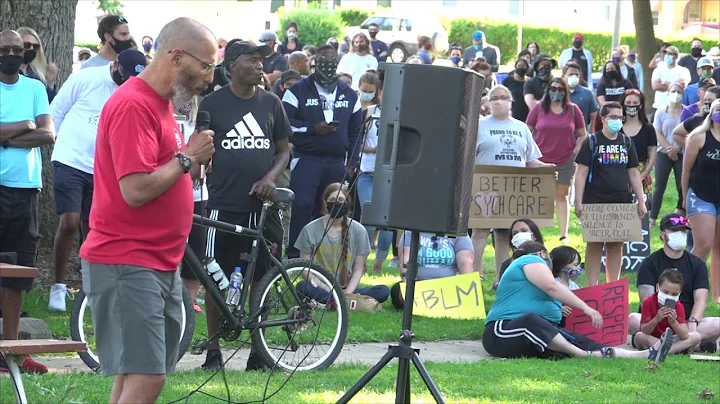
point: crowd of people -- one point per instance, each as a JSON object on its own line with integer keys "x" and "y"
{"x": 287, "y": 114}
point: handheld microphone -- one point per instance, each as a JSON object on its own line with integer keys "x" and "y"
{"x": 202, "y": 123}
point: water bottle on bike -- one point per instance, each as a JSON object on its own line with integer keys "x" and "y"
{"x": 236, "y": 281}
{"x": 214, "y": 270}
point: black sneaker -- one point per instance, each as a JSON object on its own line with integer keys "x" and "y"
{"x": 213, "y": 360}
{"x": 708, "y": 346}
{"x": 254, "y": 363}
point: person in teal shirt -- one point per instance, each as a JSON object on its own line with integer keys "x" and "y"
{"x": 524, "y": 320}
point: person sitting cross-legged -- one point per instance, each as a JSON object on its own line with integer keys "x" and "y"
{"x": 662, "y": 311}
{"x": 674, "y": 230}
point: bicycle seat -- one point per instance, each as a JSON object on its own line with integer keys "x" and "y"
{"x": 283, "y": 195}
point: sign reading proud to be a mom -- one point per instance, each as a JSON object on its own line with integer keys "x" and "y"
{"x": 503, "y": 194}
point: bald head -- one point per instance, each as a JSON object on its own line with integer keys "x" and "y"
{"x": 186, "y": 34}
{"x": 10, "y": 38}
{"x": 297, "y": 56}
{"x": 298, "y": 60}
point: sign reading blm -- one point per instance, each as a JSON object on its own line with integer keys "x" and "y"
{"x": 503, "y": 194}
{"x": 458, "y": 296}
{"x": 611, "y": 223}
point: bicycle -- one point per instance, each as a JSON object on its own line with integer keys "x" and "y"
{"x": 81, "y": 328}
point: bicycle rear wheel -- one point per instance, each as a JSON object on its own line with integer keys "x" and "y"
{"x": 313, "y": 344}
{"x": 81, "y": 327}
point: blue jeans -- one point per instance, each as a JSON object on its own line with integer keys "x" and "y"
{"x": 364, "y": 188}
{"x": 320, "y": 295}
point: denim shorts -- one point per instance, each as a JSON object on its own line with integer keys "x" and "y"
{"x": 697, "y": 206}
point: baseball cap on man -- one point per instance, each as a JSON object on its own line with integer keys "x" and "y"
{"x": 245, "y": 48}
{"x": 290, "y": 74}
{"x": 132, "y": 61}
{"x": 544, "y": 56}
{"x": 268, "y": 35}
{"x": 478, "y": 36}
{"x": 673, "y": 221}
{"x": 706, "y": 83}
{"x": 702, "y": 62}
{"x": 84, "y": 51}
{"x": 578, "y": 37}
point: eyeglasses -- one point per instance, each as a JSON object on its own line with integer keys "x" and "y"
{"x": 555, "y": 89}
{"x": 500, "y": 98}
{"x": 614, "y": 117}
{"x": 679, "y": 221}
{"x": 208, "y": 67}
{"x": 122, "y": 20}
{"x": 16, "y": 50}
{"x": 29, "y": 45}
{"x": 632, "y": 91}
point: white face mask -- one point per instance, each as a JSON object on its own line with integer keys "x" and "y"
{"x": 521, "y": 238}
{"x": 573, "y": 81}
{"x": 662, "y": 297}
{"x": 677, "y": 240}
{"x": 675, "y": 97}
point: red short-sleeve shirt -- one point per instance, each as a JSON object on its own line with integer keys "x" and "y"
{"x": 137, "y": 133}
{"x": 650, "y": 308}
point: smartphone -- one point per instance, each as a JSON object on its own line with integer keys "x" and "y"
{"x": 670, "y": 304}
{"x": 334, "y": 123}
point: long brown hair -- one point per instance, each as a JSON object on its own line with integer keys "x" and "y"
{"x": 545, "y": 102}
{"x": 335, "y": 188}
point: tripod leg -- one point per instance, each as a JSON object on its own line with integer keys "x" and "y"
{"x": 368, "y": 376}
{"x": 402, "y": 388}
{"x": 429, "y": 382}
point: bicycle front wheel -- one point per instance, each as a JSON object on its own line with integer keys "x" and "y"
{"x": 314, "y": 343}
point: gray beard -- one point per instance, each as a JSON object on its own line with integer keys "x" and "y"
{"x": 182, "y": 95}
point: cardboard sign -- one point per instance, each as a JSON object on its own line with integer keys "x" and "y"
{"x": 457, "y": 296}
{"x": 612, "y": 301}
{"x": 611, "y": 222}
{"x": 636, "y": 251}
{"x": 503, "y": 194}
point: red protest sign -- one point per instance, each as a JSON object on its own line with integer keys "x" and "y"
{"x": 612, "y": 301}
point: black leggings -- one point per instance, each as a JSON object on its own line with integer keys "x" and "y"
{"x": 663, "y": 166}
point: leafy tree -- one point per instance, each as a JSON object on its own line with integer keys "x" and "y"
{"x": 110, "y": 6}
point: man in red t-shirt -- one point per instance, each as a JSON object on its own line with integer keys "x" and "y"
{"x": 142, "y": 213}
{"x": 661, "y": 311}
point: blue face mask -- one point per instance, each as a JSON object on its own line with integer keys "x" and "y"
{"x": 669, "y": 59}
{"x": 367, "y": 97}
{"x": 455, "y": 59}
{"x": 615, "y": 125}
{"x": 477, "y": 47}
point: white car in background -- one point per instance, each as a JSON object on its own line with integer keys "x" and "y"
{"x": 401, "y": 33}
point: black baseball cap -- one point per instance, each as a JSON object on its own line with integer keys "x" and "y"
{"x": 673, "y": 221}
{"x": 706, "y": 83}
{"x": 544, "y": 56}
{"x": 290, "y": 74}
{"x": 245, "y": 48}
{"x": 132, "y": 61}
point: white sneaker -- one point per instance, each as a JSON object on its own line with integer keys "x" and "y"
{"x": 57, "y": 297}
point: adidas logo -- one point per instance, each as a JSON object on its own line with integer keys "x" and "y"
{"x": 246, "y": 134}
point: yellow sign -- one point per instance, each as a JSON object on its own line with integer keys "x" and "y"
{"x": 457, "y": 297}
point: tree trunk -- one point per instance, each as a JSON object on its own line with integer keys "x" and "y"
{"x": 645, "y": 43}
{"x": 54, "y": 21}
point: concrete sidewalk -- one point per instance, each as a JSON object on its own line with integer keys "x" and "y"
{"x": 367, "y": 354}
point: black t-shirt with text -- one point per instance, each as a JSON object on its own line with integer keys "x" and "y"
{"x": 613, "y": 92}
{"x": 246, "y": 131}
{"x": 274, "y": 62}
{"x": 642, "y": 140}
{"x": 608, "y": 179}
{"x": 692, "y": 268}
{"x": 520, "y": 109}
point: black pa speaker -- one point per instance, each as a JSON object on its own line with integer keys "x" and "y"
{"x": 426, "y": 149}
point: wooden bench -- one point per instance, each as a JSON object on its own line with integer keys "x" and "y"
{"x": 15, "y": 351}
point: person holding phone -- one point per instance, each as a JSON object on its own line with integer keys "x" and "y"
{"x": 662, "y": 313}
{"x": 326, "y": 118}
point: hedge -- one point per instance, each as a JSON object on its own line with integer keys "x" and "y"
{"x": 552, "y": 40}
{"x": 92, "y": 46}
{"x": 315, "y": 23}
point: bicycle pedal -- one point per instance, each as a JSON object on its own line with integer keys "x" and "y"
{"x": 199, "y": 346}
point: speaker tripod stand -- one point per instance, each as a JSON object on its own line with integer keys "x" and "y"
{"x": 404, "y": 350}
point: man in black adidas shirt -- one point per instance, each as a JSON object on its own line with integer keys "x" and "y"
{"x": 251, "y": 151}
{"x": 674, "y": 229}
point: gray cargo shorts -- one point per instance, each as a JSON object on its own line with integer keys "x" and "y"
{"x": 137, "y": 317}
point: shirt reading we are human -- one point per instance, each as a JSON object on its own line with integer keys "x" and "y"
{"x": 609, "y": 161}
{"x": 505, "y": 143}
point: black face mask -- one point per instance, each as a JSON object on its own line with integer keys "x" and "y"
{"x": 325, "y": 72}
{"x": 29, "y": 56}
{"x": 10, "y": 64}
{"x": 337, "y": 209}
{"x": 118, "y": 78}
{"x": 521, "y": 71}
{"x": 121, "y": 45}
{"x": 695, "y": 52}
{"x": 372, "y": 34}
{"x": 613, "y": 75}
{"x": 544, "y": 73}
{"x": 632, "y": 110}
{"x": 577, "y": 44}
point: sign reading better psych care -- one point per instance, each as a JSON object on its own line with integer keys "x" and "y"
{"x": 457, "y": 296}
{"x": 611, "y": 222}
{"x": 503, "y": 194}
{"x": 611, "y": 300}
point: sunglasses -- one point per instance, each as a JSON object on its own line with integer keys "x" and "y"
{"x": 122, "y": 20}
{"x": 16, "y": 50}
{"x": 29, "y": 45}
{"x": 554, "y": 89}
{"x": 679, "y": 221}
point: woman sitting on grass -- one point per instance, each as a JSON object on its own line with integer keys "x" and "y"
{"x": 524, "y": 320}
{"x": 521, "y": 230}
{"x": 339, "y": 244}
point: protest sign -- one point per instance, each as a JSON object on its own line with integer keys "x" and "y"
{"x": 457, "y": 297}
{"x": 503, "y": 194}
{"x": 634, "y": 252}
{"x": 611, "y": 300}
{"x": 611, "y": 222}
